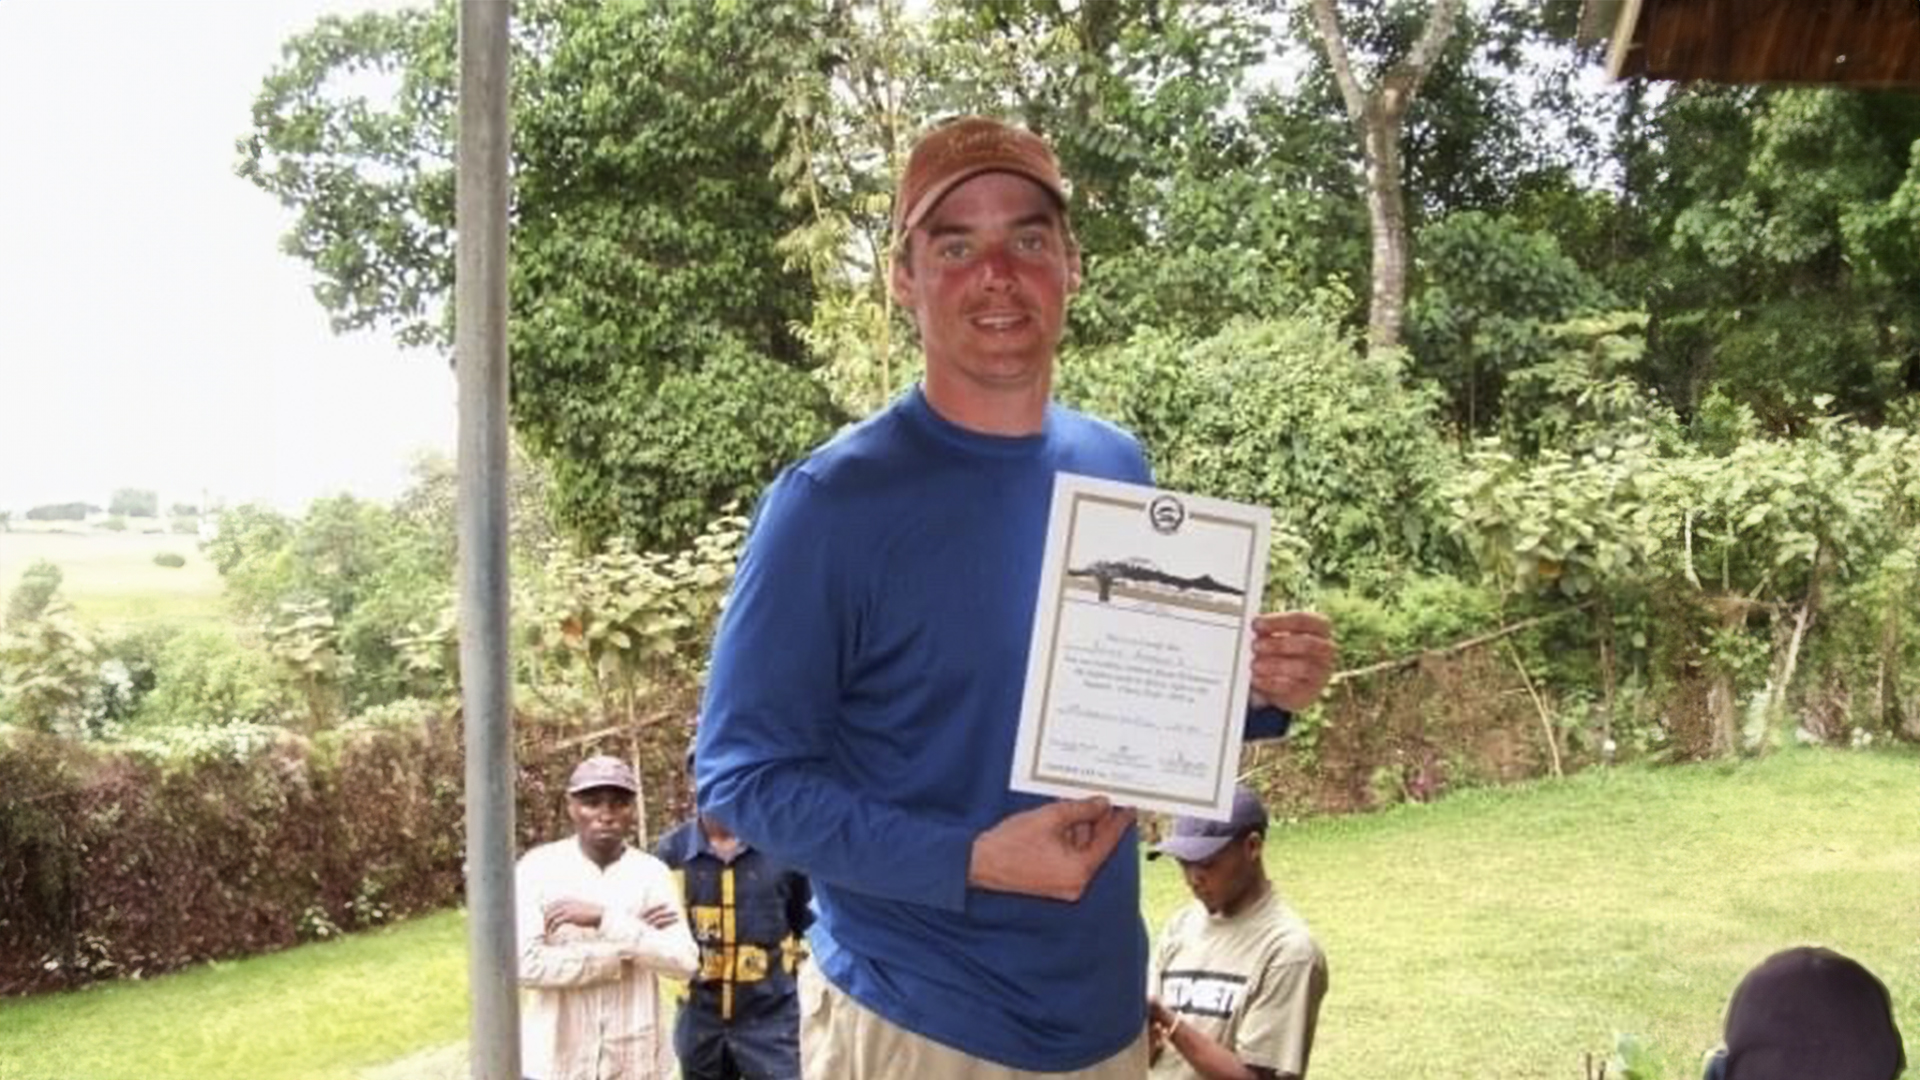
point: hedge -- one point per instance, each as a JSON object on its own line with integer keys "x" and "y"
{"x": 127, "y": 862}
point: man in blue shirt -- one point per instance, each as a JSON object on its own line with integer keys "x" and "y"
{"x": 867, "y": 674}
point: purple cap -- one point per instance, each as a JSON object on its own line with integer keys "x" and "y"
{"x": 602, "y": 771}
{"x": 1196, "y": 839}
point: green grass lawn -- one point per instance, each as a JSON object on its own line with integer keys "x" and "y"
{"x": 1498, "y": 934}
{"x": 319, "y": 1012}
{"x": 111, "y": 579}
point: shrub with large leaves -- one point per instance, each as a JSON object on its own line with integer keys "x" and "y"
{"x": 1287, "y": 413}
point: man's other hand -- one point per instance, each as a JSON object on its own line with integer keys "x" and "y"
{"x": 1050, "y": 851}
{"x": 1293, "y": 655}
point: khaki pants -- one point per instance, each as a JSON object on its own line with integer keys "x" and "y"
{"x": 840, "y": 1039}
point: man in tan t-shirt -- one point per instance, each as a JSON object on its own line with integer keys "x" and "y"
{"x": 1237, "y": 979}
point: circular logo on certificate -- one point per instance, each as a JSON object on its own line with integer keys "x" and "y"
{"x": 1167, "y": 514}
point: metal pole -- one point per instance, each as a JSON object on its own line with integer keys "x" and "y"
{"x": 480, "y": 356}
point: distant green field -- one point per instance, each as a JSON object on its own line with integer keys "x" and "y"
{"x": 110, "y": 578}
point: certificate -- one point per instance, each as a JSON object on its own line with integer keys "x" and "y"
{"x": 1137, "y": 676}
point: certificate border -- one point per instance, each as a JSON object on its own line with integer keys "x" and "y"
{"x": 1248, "y": 606}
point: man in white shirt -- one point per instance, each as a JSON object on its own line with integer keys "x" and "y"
{"x": 597, "y": 922}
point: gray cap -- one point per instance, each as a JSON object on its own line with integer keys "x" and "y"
{"x": 603, "y": 771}
{"x": 1196, "y": 839}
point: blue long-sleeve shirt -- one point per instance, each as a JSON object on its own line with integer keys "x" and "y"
{"x": 860, "y": 720}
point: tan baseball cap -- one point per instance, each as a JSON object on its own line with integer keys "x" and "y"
{"x": 961, "y": 149}
{"x": 603, "y": 771}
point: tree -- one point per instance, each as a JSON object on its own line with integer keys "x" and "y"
{"x": 1784, "y": 261}
{"x": 1287, "y": 413}
{"x": 134, "y": 502}
{"x": 1378, "y": 116}
{"x": 47, "y": 669}
{"x": 75, "y": 511}
{"x": 656, "y": 368}
{"x": 38, "y": 587}
{"x": 247, "y": 531}
{"x": 1488, "y": 297}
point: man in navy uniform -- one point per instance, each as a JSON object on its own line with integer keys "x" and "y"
{"x": 741, "y": 1019}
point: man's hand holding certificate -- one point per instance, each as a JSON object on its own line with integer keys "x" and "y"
{"x": 1146, "y": 644}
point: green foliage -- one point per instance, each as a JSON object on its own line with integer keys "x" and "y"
{"x": 630, "y": 625}
{"x": 77, "y": 511}
{"x": 650, "y": 302}
{"x": 47, "y": 669}
{"x": 1229, "y": 241}
{"x": 128, "y": 672}
{"x": 115, "y": 524}
{"x": 1129, "y": 91}
{"x": 1427, "y": 612}
{"x": 373, "y": 570}
{"x": 170, "y": 560}
{"x": 134, "y": 502}
{"x": 1565, "y": 522}
{"x": 39, "y": 585}
{"x": 1488, "y": 297}
{"x": 1772, "y": 512}
{"x": 1287, "y": 414}
{"x": 843, "y": 127}
{"x": 246, "y": 532}
{"x": 206, "y": 678}
{"x": 305, "y": 645}
{"x": 1790, "y": 271}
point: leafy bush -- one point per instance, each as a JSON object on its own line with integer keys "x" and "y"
{"x": 1427, "y": 612}
{"x": 246, "y": 532}
{"x": 187, "y": 843}
{"x": 39, "y": 583}
{"x": 169, "y": 559}
{"x": 206, "y": 676}
{"x": 1288, "y": 414}
{"x": 627, "y": 625}
{"x": 47, "y": 670}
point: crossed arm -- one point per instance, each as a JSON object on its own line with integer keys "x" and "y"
{"x": 571, "y": 942}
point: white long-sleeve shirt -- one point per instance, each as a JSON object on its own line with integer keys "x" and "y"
{"x": 591, "y": 1009}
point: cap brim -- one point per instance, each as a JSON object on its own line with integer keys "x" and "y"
{"x": 590, "y": 785}
{"x": 1190, "y": 848}
{"x": 931, "y": 198}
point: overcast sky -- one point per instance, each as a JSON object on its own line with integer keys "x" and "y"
{"x": 151, "y": 333}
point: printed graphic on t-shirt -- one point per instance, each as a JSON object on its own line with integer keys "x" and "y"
{"x": 1202, "y": 993}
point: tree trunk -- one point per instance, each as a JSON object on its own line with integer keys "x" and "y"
{"x": 1609, "y": 684}
{"x": 1387, "y": 209}
{"x": 1378, "y": 117}
{"x": 1777, "y": 705}
{"x": 1888, "y": 676}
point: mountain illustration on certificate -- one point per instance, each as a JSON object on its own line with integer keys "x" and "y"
{"x": 1105, "y": 572}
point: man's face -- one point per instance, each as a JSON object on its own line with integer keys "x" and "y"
{"x": 987, "y": 275}
{"x": 603, "y": 818}
{"x": 1227, "y": 880}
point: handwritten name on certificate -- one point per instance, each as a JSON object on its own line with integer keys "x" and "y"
{"x": 1137, "y": 677}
